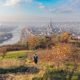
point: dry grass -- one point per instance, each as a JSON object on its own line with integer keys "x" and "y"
{"x": 11, "y": 63}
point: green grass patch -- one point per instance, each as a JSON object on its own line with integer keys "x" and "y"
{"x": 17, "y": 54}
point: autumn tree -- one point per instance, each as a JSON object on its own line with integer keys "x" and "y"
{"x": 55, "y": 39}
{"x": 66, "y": 54}
{"x": 58, "y": 54}
{"x": 42, "y": 43}
{"x": 35, "y": 42}
{"x": 32, "y": 42}
{"x": 61, "y": 52}
{"x": 64, "y": 37}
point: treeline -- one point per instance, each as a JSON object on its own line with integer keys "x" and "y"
{"x": 36, "y": 42}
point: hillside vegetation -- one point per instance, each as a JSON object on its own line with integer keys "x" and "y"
{"x": 59, "y": 58}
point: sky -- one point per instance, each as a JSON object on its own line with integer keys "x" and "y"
{"x": 39, "y": 10}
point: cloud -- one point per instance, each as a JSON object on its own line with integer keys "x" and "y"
{"x": 41, "y": 6}
{"x": 11, "y": 2}
{"x": 71, "y": 6}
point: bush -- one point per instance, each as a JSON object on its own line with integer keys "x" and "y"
{"x": 54, "y": 75}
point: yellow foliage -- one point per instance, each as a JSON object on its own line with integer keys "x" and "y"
{"x": 64, "y": 36}
{"x": 33, "y": 41}
{"x": 62, "y": 50}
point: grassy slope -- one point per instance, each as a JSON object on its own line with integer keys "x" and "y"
{"x": 16, "y": 55}
{"x": 21, "y": 54}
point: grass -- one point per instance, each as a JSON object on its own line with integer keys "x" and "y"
{"x": 22, "y": 55}
{"x": 60, "y": 75}
{"x": 17, "y": 54}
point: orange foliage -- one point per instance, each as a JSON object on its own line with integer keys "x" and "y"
{"x": 62, "y": 50}
{"x": 32, "y": 41}
{"x": 58, "y": 54}
{"x": 64, "y": 37}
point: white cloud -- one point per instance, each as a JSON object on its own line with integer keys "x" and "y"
{"x": 70, "y": 6}
{"x": 41, "y": 6}
{"x": 11, "y": 2}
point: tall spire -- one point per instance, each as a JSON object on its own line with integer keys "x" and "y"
{"x": 51, "y": 25}
{"x": 49, "y": 28}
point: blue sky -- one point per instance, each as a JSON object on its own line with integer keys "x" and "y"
{"x": 39, "y": 10}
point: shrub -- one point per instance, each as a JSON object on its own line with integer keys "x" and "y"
{"x": 54, "y": 75}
